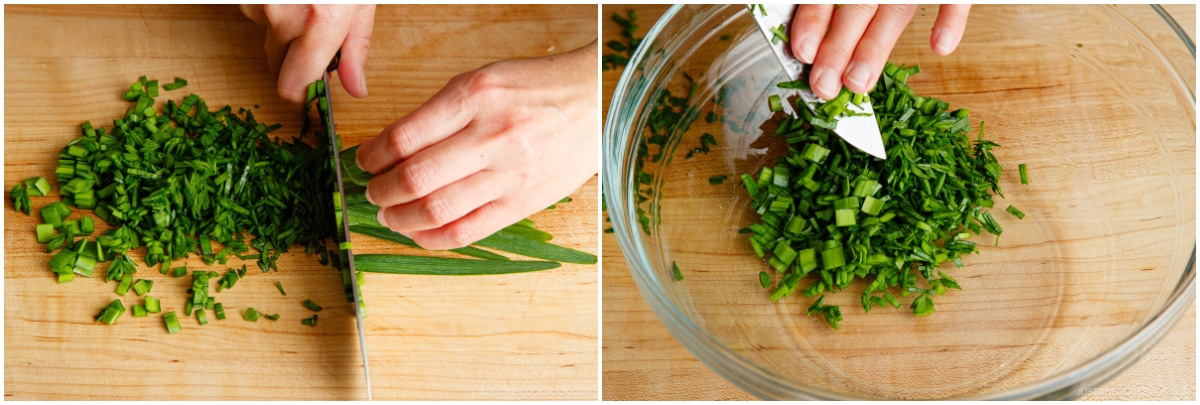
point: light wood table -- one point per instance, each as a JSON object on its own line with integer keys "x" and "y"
{"x": 643, "y": 361}
{"x": 522, "y": 336}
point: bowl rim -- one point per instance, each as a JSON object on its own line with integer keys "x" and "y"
{"x": 767, "y": 384}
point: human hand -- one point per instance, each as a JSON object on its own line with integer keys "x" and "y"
{"x": 859, "y": 39}
{"x": 495, "y": 145}
{"x": 302, "y": 39}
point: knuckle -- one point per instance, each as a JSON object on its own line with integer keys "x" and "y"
{"x": 812, "y": 19}
{"x": 458, "y": 235}
{"x": 317, "y": 14}
{"x": 414, "y": 179}
{"x": 400, "y": 142}
{"x": 438, "y": 211}
{"x": 870, "y": 50}
{"x": 867, "y": 9}
{"x": 902, "y": 9}
{"x": 520, "y": 139}
{"x": 481, "y": 83}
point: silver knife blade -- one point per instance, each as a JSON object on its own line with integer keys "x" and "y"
{"x": 862, "y": 131}
{"x": 347, "y": 256}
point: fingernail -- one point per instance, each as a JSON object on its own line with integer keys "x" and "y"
{"x": 825, "y": 82}
{"x": 857, "y": 75}
{"x": 808, "y": 49}
{"x": 380, "y": 217}
{"x": 369, "y": 199}
{"x": 362, "y": 79}
{"x": 943, "y": 41}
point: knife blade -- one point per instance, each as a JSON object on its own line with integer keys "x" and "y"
{"x": 346, "y": 258}
{"x": 862, "y": 131}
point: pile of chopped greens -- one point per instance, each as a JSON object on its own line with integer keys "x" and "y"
{"x": 830, "y": 211}
{"x": 177, "y": 180}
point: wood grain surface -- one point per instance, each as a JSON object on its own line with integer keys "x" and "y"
{"x": 643, "y": 361}
{"x": 524, "y": 336}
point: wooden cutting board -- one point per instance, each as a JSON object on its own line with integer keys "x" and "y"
{"x": 526, "y": 336}
{"x": 643, "y": 361}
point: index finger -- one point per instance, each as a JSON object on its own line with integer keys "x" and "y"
{"x": 309, "y": 55}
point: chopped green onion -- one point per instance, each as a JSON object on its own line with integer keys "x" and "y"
{"x": 764, "y": 279}
{"x": 52, "y": 214}
{"x": 123, "y": 286}
{"x": 1015, "y": 212}
{"x": 141, "y": 287}
{"x": 179, "y": 82}
{"x": 675, "y": 271}
{"x": 280, "y": 287}
{"x": 922, "y": 306}
{"x": 273, "y": 317}
{"x": 715, "y": 180}
{"x": 774, "y": 103}
{"x": 309, "y": 321}
{"x": 37, "y": 186}
{"x": 45, "y": 232}
{"x": 251, "y": 315}
{"x": 139, "y": 311}
{"x": 939, "y": 180}
{"x": 20, "y": 198}
{"x": 219, "y": 309}
{"x": 778, "y": 33}
{"x": 311, "y": 305}
{"x": 172, "y": 322}
{"x": 201, "y": 318}
{"x": 111, "y": 312}
{"x": 152, "y": 305}
{"x": 1024, "y": 173}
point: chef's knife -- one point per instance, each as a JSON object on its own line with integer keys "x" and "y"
{"x": 862, "y": 131}
{"x": 346, "y": 258}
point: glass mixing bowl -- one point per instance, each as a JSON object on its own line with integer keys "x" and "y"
{"x": 1098, "y": 101}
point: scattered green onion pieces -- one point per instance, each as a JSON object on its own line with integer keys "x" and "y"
{"x": 716, "y": 180}
{"x": 201, "y": 318}
{"x": 1016, "y": 212}
{"x": 312, "y": 305}
{"x": 139, "y": 311}
{"x": 764, "y": 279}
{"x": 922, "y": 306}
{"x": 778, "y": 33}
{"x": 111, "y": 312}
{"x": 309, "y": 321}
{"x": 179, "y": 82}
{"x": 775, "y": 103}
{"x": 280, "y": 287}
{"x": 172, "y": 322}
{"x": 274, "y": 317}
{"x": 153, "y": 305}
{"x": 141, "y": 287}
{"x": 37, "y": 186}
{"x": 251, "y": 315}
{"x": 675, "y": 271}
{"x": 123, "y": 286}
{"x": 219, "y": 310}
{"x": 20, "y": 198}
{"x": 45, "y": 232}
{"x": 1024, "y": 173}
